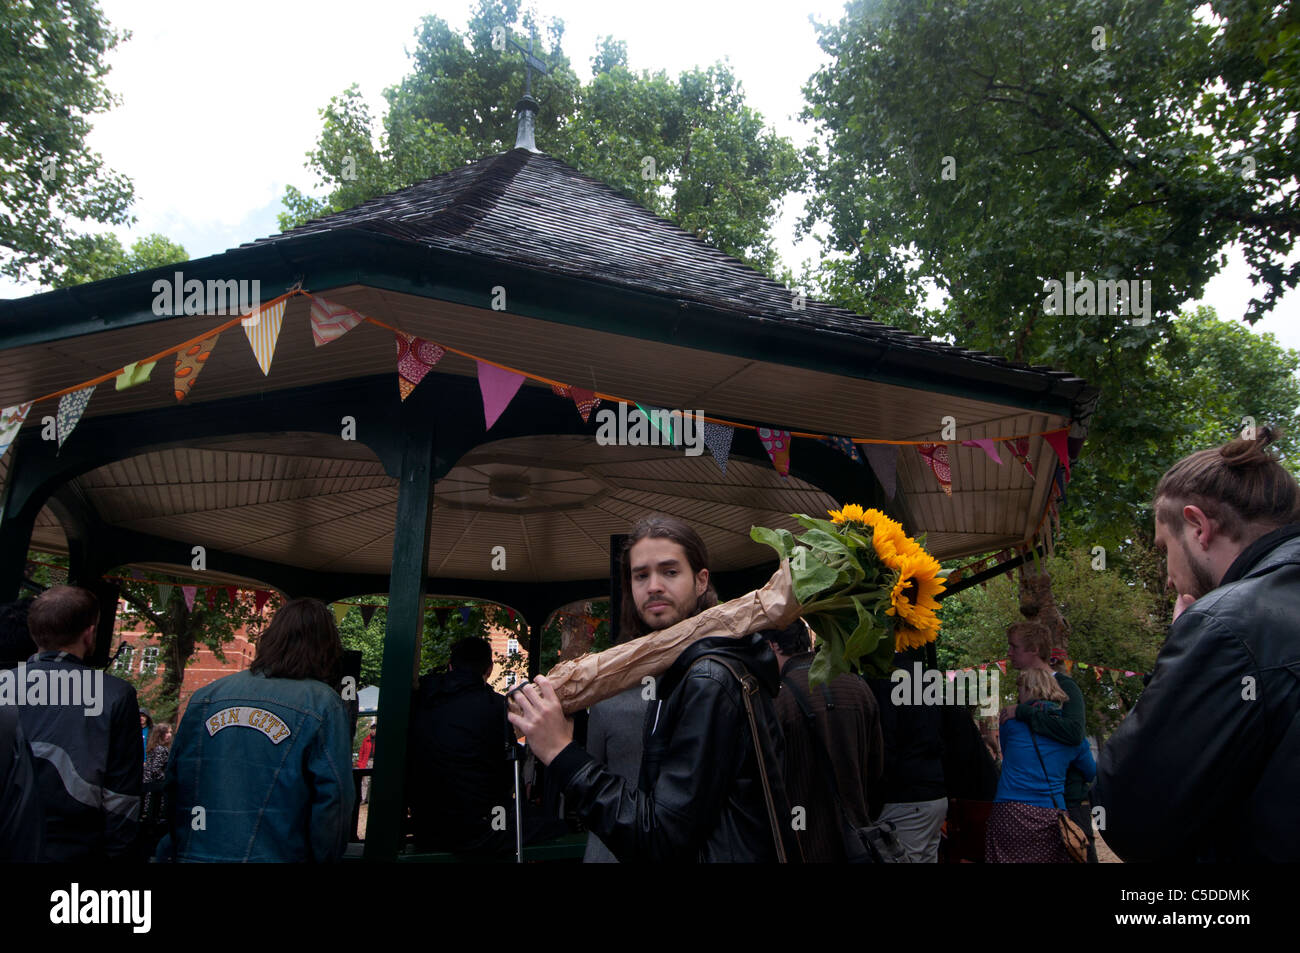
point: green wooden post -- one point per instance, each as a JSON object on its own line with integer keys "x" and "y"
{"x": 405, "y": 626}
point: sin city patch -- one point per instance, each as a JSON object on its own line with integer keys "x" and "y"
{"x": 258, "y": 718}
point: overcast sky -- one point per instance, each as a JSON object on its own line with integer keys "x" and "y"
{"x": 220, "y": 101}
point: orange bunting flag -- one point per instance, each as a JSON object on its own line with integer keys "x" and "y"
{"x": 188, "y": 364}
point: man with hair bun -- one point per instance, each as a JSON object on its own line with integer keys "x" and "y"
{"x": 1207, "y": 765}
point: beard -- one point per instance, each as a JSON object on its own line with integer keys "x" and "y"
{"x": 1202, "y": 581}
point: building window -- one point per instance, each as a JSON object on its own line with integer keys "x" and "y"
{"x": 510, "y": 679}
{"x": 124, "y": 658}
{"x": 149, "y": 661}
{"x": 512, "y": 646}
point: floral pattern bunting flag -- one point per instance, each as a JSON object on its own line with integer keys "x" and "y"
{"x": 330, "y": 321}
{"x": 586, "y": 401}
{"x": 936, "y": 455}
{"x": 777, "y": 445}
{"x": 11, "y": 421}
{"x": 415, "y": 358}
{"x": 1020, "y": 450}
{"x": 717, "y": 437}
{"x": 188, "y": 364}
{"x": 844, "y": 445}
{"x": 71, "y": 407}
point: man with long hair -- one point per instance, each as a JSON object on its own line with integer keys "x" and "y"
{"x": 700, "y": 795}
{"x": 1207, "y": 764}
{"x": 261, "y": 766}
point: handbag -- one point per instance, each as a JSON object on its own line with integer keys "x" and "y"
{"x": 871, "y": 844}
{"x": 1072, "y": 835}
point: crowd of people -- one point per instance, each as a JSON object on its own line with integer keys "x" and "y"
{"x": 731, "y": 755}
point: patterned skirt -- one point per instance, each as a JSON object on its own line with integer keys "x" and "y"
{"x": 1024, "y": 834}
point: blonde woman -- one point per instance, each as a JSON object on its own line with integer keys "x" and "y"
{"x": 1023, "y": 826}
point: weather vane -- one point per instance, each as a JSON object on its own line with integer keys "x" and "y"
{"x": 530, "y": 63}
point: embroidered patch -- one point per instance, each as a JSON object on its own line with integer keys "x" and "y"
{"x": 258, "y": 718}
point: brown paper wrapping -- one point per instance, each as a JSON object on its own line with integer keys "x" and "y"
{"x": 591, "y": 678}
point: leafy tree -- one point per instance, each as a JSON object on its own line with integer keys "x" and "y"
{"x": 689, "y": 149}
{"x": 179, "y": 632}
{"x": 96, "y": 257}
{"x": 52, "y": 64}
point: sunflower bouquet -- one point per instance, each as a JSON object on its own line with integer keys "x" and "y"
{"x": 865, "y": 587}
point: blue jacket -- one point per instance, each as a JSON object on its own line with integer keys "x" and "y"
{"x": 1022, "y": 777}
{"x": 269, "y": 761}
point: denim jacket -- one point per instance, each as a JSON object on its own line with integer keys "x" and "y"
{"x": 269, "y": 761}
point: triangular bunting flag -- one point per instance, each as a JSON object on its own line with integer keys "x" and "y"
{"x": 441, "y": 614}
{"x": 367, "y": 613}
{"x": 936, "y": 454}
{"x": 1128, "y": 674}
{"x": 71, "y": 407}
{"x": 133, "y": 374}
{"x": 464, "y": 614}
{"x": 1002, "y": 666}
{"x": 1096, "y": 670}
{"x": 717, "y": 437}
{"x": 1114, "y": 676}
{"x": 188, "y": 364}
{"x": 777, "y": 445}
{"x": 1020, "y": 451}
{"x": 883, "y": 458}
{"x": 330, "y": 321}
{"x": 984, "y": 666}
{"x": 988, "y": 446}
{"x": 190, "y": 593}
{"x": 561, "y": 390}
{"x": 340, "y": 610}
{"x": 137, "y": 575}
{"x": 1082, "y": 665}
{"x": 210, "y": 597}
{"x": 1057, "y": 442}
{"x": 1061, "y": 479}
{"x": 660, "y": 419}
{"x": 260, "y": 598}
{"x": 844, "y": 445}
{"x": 232, "y": 594}
{"x": 11, "y": 421}
{"x": 164, "y": 594}
{"x": 263, "y": 330}
{"x": 498, "y": 387}
{"x": 586, "y": 401}
{"x": 415, "y": 358}
{"x": 1069, "y": 666}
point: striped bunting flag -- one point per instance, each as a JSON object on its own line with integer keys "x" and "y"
{"x": 263, "y": 330}
{"x": 330, "y": 321}
{"x": 11, "y": 421}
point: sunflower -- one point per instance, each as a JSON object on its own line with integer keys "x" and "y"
{"x": 852, "y": 513}
{"x": 912, "y": 599}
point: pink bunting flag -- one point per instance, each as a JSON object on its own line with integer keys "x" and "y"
{"x": 415, "y": 358}
{"x": 330, "y": 321}
{"x": 988, "y": 446}
{"x": 1057, "y": 441}
{"x": 936, "y": 454}
{"x": 498, "y": 387}
{"x": 1002, "y": 666}
{"x": 1128, "y": 674}
{"x": 777, "y": 445}
{"x": 190, "y": 593}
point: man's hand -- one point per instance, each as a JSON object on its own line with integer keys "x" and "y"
{"x": 1183, "y": 603}
{"x": 539, "y": 717}
{"x": 1006, "y": 713}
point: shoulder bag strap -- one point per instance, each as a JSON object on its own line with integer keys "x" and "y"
{"x": 748, "y": 687}
{"x": 1046, "y": 776}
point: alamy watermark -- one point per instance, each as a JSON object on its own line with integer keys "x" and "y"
{"x": 663, "y": 428}
{"x": 1087, "y": 297}
{"x": 65, "y": 687}
{"x": 933, "y": 688}
{"x": 177, "y": 296}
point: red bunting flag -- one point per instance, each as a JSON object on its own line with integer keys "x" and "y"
{"x": 260, "y": 598}
{"x": 1057, "y": 441}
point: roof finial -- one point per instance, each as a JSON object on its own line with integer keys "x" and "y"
{"x": 526, "y": 108}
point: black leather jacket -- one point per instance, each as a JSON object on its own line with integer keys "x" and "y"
{"x": 699, "y": 797}
{"x": 1207, "y": 765}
